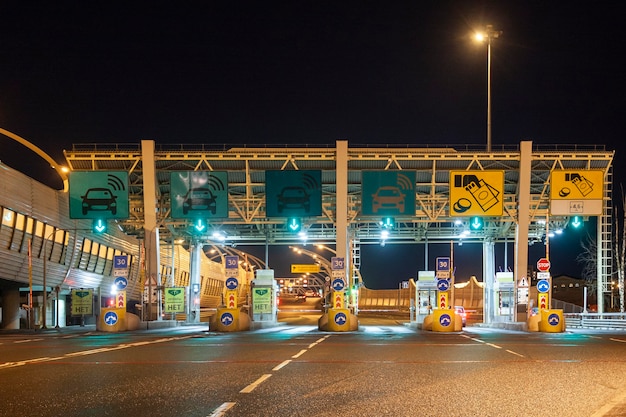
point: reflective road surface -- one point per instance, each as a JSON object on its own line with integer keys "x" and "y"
{"x": 383, "y": 369}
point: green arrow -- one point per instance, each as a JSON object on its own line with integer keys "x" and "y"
{"x": 576, "y": 223}
{"x": 477, "y": 223}
{"x": 200, "y": 226}
{"x": 294, "y": 225}
{"x": 100, "y": 226}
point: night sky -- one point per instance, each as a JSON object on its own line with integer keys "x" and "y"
{"x": 309, "y": 72}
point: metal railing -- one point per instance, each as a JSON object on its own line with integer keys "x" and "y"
{"x": 596, "y": 320}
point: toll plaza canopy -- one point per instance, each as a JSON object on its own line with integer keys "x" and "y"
{"x": 264, "y": 194}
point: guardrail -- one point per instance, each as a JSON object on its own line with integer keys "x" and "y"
{"x": 596, "y": 320}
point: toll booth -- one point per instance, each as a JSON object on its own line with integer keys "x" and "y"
{"x": 425, "y": 294}
{"x": 264, "y": 293}
{"x": 504, "y": 288}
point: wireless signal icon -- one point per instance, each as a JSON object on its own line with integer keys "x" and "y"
{"x": 215, "y": 183}
{"x": 115, "y": 183}
{"x": 404, "y": 182}
{"x": 310, "y": 182}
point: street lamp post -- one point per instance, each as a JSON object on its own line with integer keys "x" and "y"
{"x": 45, "y": 290}
{"x": 488, "y": 35}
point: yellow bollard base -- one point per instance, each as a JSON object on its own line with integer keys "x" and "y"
{"x": 443, "y": 320}
{"x": 552, "y": 321}
{"x": 338, "y": 320}
{"x": 112, "y": 320}
{"x": 230, "y": 320}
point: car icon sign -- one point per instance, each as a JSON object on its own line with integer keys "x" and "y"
{"x": 293, "y": 198}
{"x": 200, "y": 198}
{"x": 388, "y": 197}
{"x": 100, "y": 199}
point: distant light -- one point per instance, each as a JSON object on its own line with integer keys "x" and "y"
{"x": 479, "y": 36}
{"x": 219, "y": 236}
{"x": 384, "y": 234}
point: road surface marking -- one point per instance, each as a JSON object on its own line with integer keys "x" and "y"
{"x": 618, "y": 340}
{"x": 27, "y": 340}
{"x": 515, "y": 353}
{"x": 284, "y": 363}
{"x": 222, "y": 409}
{"x": 297, "y": 355}
{"x": 255, "y": 384}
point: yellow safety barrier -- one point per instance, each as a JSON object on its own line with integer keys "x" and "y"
{"x": 443, "y": 320}
{"x": 112, "y": 320}
{"x": 552, "y": 321}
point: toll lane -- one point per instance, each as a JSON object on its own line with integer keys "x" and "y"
{"x": 382, "y": 369}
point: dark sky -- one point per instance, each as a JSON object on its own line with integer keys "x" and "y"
{"x": 306, "y": 72}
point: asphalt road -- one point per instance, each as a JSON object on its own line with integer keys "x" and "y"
{"x": 384, "y": 369}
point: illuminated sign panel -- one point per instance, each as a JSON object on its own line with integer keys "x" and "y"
{"x": 576, "y": 192}
{"x": 476, "y": 193}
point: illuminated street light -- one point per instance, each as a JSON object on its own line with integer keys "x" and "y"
{"x": 488, "y": 35}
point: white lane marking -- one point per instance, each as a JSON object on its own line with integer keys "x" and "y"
{"x": 27, "y": 340}
{"x": 255, "y": 384}
{"x": 297, "y": 355}
{"x": 281, "y": 365}
{"x": 222, "y": 409}
{"x": 87, "y": 352}
{"x": 496, "y": 346}
{"x": 515, "y": 353}
{"x": 618, "y": 340}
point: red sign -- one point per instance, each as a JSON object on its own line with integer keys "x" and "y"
{"x": 543, "y": 265}
{"x": 543, "y": 301}
{"x": 443, "y": 300}
{"x": 338, "y": 300}
{"x": 231, "y": 301}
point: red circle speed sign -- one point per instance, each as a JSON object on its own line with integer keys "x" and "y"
{"x": 543, "y": 265}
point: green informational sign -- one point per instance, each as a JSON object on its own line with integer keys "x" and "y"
{"x": 388, "y": 193}
{"x": 262, "y": 300}
{"x": 198, "y": 194}
{"x": 174, "y": 300}
{"x": 82, "y": 302}
{"x": 293, "y": 193}
{"x": 98, "y": 195}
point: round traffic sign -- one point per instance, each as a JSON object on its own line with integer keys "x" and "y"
{"x": 110, "y": 318}
{"x": 232, "y": 283}
{"x": 338, "y": 284}
{"x": 543, "y": 265}
{"x": 120, "y": 283}
{"x": 443, "y": 285}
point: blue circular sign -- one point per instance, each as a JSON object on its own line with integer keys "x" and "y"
{"x": 227, "y": 319}
{"x": 110, "y": 318}
{"x": 232, "y": 283}
{"x": 120, "y": 283}
{"x": 543, "y": 286}
{"x": 445, "y": 320}
{"x": 443, "y": 284}
{"x": 338, "y": 284}
{"x": 553, "y": 319}
{"x": 340, "y": 319}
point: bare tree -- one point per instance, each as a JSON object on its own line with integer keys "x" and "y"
{"x": 588, "y": 257}
{"x": 619, "y": 246}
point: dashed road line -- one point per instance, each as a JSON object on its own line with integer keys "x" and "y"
{"x": 297, "y": 355}
{"x": 281, "y": 365}
{"x": 222, "y": 409}
{"x": 255, "y": 384}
